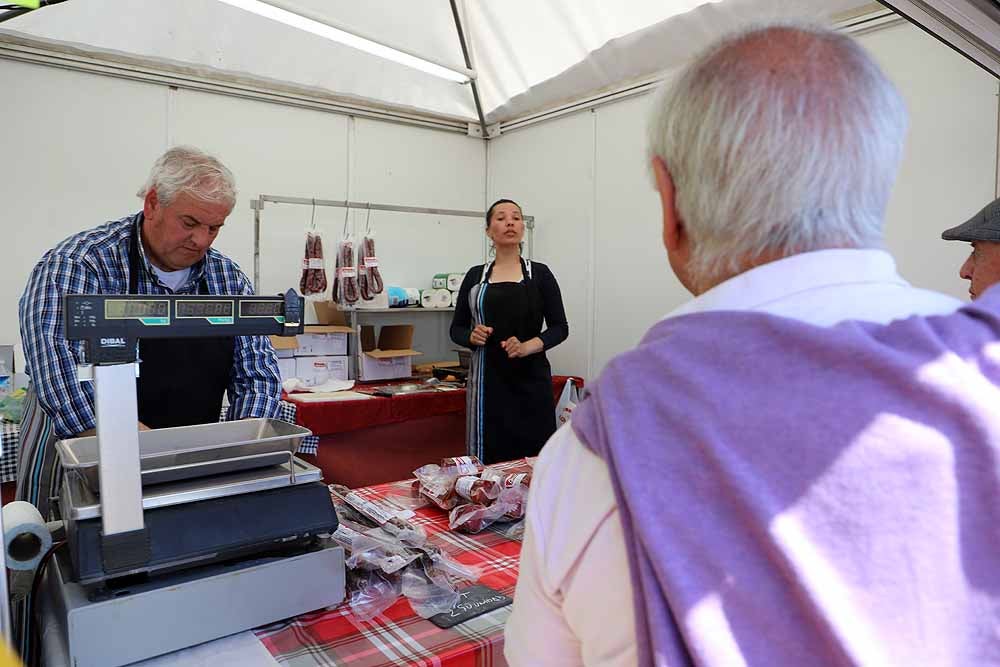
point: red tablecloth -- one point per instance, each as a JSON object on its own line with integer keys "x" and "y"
{"x": 329, "y": 418}
{"x": 399, "y": 636}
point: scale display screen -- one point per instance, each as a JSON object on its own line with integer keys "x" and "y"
{"x": 261, "y": 308}
{"x": 204, "y": 308}
{"x": 131, "y": 309}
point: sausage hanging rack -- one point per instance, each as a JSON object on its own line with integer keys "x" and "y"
{"x": 258, "y": 205}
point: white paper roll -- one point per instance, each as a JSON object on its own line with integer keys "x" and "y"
{"x": 442, "y": 298}
{"x": 454, "y": 299}
{"x": 25, "y": 537}
{"x": 455, "y": 281}
{"x": 435, "y": 298}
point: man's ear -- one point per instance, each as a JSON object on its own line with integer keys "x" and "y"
{"x": 673, "y": 228}
{"x": 150, "y": 203}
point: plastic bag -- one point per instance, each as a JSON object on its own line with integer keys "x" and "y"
{"x": 462, "y": 465}
{"x": 472, "y": 518}
{"x": 369, "y": 277}
{"x": 437, "y": 484}
{"x": 429, "y": 591}
{"x": 375, "y": 549}
{"x": 568, "y": 400}
{"x": 407, "y": 495}
{"x": 313, "y": 279}
{"x": 477, "y": 490}
{"x": 371, "y": 592}
{"x": 345, "y": 282}
{"x": 375, "y": 514}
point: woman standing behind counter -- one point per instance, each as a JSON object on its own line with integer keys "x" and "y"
{"x": 501, "y": 308}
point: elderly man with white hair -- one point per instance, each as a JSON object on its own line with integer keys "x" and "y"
{"x": 774, "y": 153}
{"x": 163, "y": 249}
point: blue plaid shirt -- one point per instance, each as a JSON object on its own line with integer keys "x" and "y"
{"x": 96, "y": 262}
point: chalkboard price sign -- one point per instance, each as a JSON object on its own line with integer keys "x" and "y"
{"x": 475, "y": 601}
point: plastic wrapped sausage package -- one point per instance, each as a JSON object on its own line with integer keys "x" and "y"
{"x": 387, "y": 557}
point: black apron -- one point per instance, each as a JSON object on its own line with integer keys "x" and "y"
{"x": 518, "y": 413}
{"x": 181, "y": 380}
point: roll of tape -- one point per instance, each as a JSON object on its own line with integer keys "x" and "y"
{"x": 26, "y": 537}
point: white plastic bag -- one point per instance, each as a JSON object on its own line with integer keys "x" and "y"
{"x": 567, "y": 402}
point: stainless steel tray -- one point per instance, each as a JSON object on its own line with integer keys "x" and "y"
{"x": 186, "y": 452}
{"x": 79, "y": 502}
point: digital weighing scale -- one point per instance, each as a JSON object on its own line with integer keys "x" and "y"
{"x": 178, "y": 536}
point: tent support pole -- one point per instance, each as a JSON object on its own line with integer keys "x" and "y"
{"x": 468, "y": 65}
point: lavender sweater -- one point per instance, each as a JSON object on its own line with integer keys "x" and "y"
{"x": 798, "y": 495}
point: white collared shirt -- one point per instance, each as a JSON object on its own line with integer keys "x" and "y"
{"x": 573, "y": 603}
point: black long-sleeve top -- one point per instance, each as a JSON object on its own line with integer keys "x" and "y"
{"x": 548, "y": 296}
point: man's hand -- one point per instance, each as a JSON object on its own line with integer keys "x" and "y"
{"x": 516, "y": 349}
{"x": 479, "y": 335}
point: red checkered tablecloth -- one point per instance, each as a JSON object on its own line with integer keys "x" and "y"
{"x": 399, "y": 637}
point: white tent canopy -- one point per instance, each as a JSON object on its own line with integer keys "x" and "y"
{"x": 529, "y": 55}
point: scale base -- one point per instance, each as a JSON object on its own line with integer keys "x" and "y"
{"x": 178, "y": 611}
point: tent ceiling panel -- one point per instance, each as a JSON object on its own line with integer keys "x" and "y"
{"x": 214, "y": 37}
{"x": 573, "y": 48}
{"x": 529, "y": 55}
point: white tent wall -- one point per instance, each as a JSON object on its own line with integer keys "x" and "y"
{"x": 585, "y": 176}
{"x": 91, "y": 140}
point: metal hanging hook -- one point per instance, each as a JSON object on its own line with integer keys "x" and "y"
{"x": 347, "y": 213}
{"x": 368, "y": 220}
{"x": 312, "y": 220}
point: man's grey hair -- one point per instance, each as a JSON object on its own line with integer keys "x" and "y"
{"x": 780, "y": 140}
{"x": 193, "y": 171}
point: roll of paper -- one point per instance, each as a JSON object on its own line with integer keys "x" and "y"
{"x": 412, "y": 296}
{"x": 455, "y": 281}
{"x": 454, "y": 299}
{"x": 439, "y": 281}
{"x": 442, "y": 298}
{"x": 26, "y": 537}
{"x": 435, "y": 298}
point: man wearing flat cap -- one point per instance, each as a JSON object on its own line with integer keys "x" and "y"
{"x": 982, "y": 268}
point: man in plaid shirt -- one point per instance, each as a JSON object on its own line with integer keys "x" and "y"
{"x": 164, "y": 249}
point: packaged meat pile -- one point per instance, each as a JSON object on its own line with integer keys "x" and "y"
{"x": 388, "y": 556}
{"x": 475, "y": 496}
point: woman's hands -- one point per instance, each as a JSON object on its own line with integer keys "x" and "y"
{"x": 512, "y": 346}
{"x": 516, "y": 349}
{"x": 479, "y": 335}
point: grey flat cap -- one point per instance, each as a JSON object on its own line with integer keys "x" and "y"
{"x": 983, "y": 226}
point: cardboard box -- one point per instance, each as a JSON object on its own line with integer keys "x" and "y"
{"x": 329, "y": 338}
{"x": 317, "y": 370}
{"x": 327, "y": 313}
{"x": 286, "y": 368}
{"x": 322, "y": 341}
{"x": 390, "y": 357}
{"x": 284, "y": 346}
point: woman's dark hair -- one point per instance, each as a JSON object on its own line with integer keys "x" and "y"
{"x": 489, "y": 213}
